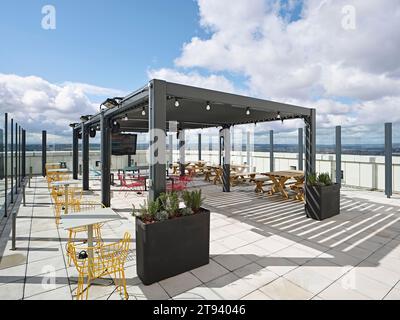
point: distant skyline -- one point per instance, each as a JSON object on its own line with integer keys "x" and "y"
{"x": 340, "y": 57}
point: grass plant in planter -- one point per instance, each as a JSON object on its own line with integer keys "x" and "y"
{"x": 171, "y": 240}
{"x": 323, "y": 197}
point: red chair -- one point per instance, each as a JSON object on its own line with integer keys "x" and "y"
{"x": 135, "y": 185}
{"x": 176, "y": 185}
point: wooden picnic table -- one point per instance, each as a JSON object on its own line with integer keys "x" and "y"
{"x": 239, "y": 168}
{"x": 235, "y": 175}
{"x": 279, "y": 179}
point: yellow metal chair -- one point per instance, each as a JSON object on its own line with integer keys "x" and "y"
{"x": 107, "y": 260}
{"x": 75, "y": 199}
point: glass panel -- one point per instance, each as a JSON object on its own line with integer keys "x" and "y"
{"x": 326, "y": 151}
{"x": 396, "y": 157}
{"x": 286, "y": 150}
{"x": 363, "y": 160}
{"x": 2, "y": 172}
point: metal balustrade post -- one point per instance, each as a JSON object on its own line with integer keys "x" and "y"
{"x": 271, "y": 151}
{"x": 339, "y": 155}
{"x": 23, "y": 154}
{"x": 44, "y": 150}
{"x": 30, "y": 175}
{"x": 12, "y": 162}
{"x": 301, "y": 149}
{"x": 6, "y": 164}
{"x": 19, "y": 156}
{"x": 388, "y": 160}
{"x": 16, "y": 158}
{"x": 248, "y": 150}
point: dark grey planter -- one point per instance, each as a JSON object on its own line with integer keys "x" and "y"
{"x": 168, "y": 248}
{"x": 323, "y": 202}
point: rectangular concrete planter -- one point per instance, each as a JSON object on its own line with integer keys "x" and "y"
{"x": 323, "y": 202}
{"x": 168, "y": 248}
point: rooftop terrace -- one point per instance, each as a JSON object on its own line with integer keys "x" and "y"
{"x": 262, "y": 247}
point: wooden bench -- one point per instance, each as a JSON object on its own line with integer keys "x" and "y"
{"x": 243, "y": 177}
{"x": 299, "y": 189}
{"x": 261, "y": 183}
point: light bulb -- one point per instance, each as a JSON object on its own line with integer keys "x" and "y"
{"x": 125, "y": 118}
{"x": 143, "y": 112}
{"x": 208, "y": 108}
{"x": 177, "y": 104}
{"x": 248, "y": 111}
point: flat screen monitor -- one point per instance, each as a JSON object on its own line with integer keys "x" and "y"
{"x": 124, "y": 144}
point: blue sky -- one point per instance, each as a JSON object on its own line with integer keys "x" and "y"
{"x": 104, "y": 43}
{"x": 293, "y": 51}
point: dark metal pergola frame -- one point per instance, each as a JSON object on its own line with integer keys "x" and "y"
{"x": 157, "y": 99}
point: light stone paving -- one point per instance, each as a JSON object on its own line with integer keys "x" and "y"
{"x": 262, "y": 248}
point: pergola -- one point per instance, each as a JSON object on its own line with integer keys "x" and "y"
{"x": 153, "y": 109}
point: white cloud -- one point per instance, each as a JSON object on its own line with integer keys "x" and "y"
{"x": 313, "y": 61}
{"x": 40, "y": 105}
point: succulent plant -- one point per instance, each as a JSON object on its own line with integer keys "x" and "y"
{"x": 323, "y": 179}
{"x": 193, "y": 200}
{"x": 170, "y": 203}
{"x": 187, "y": 211}
{"x": 162, "y": 215}
{"x": 147, "y": 211}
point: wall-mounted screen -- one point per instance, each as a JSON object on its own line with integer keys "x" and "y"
{"x": 124, "y": 144}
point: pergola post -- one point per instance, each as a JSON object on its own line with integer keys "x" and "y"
{"x": 301, "y": 149}
{"x": 182, "y": 149}
{"x": 85, "y": 157}
{"x": 199, "y": 147}
{"x": 388, "y": 160}
{"x": 271, "y": 151}
{"x": 339, "y": 155}
{"x": 105, "y": 147}
{"x": 157, "y": 129}
{"x": 75, "y": 153}
{"x": 225, "y": 148}
{"x": 310, "y": 154}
